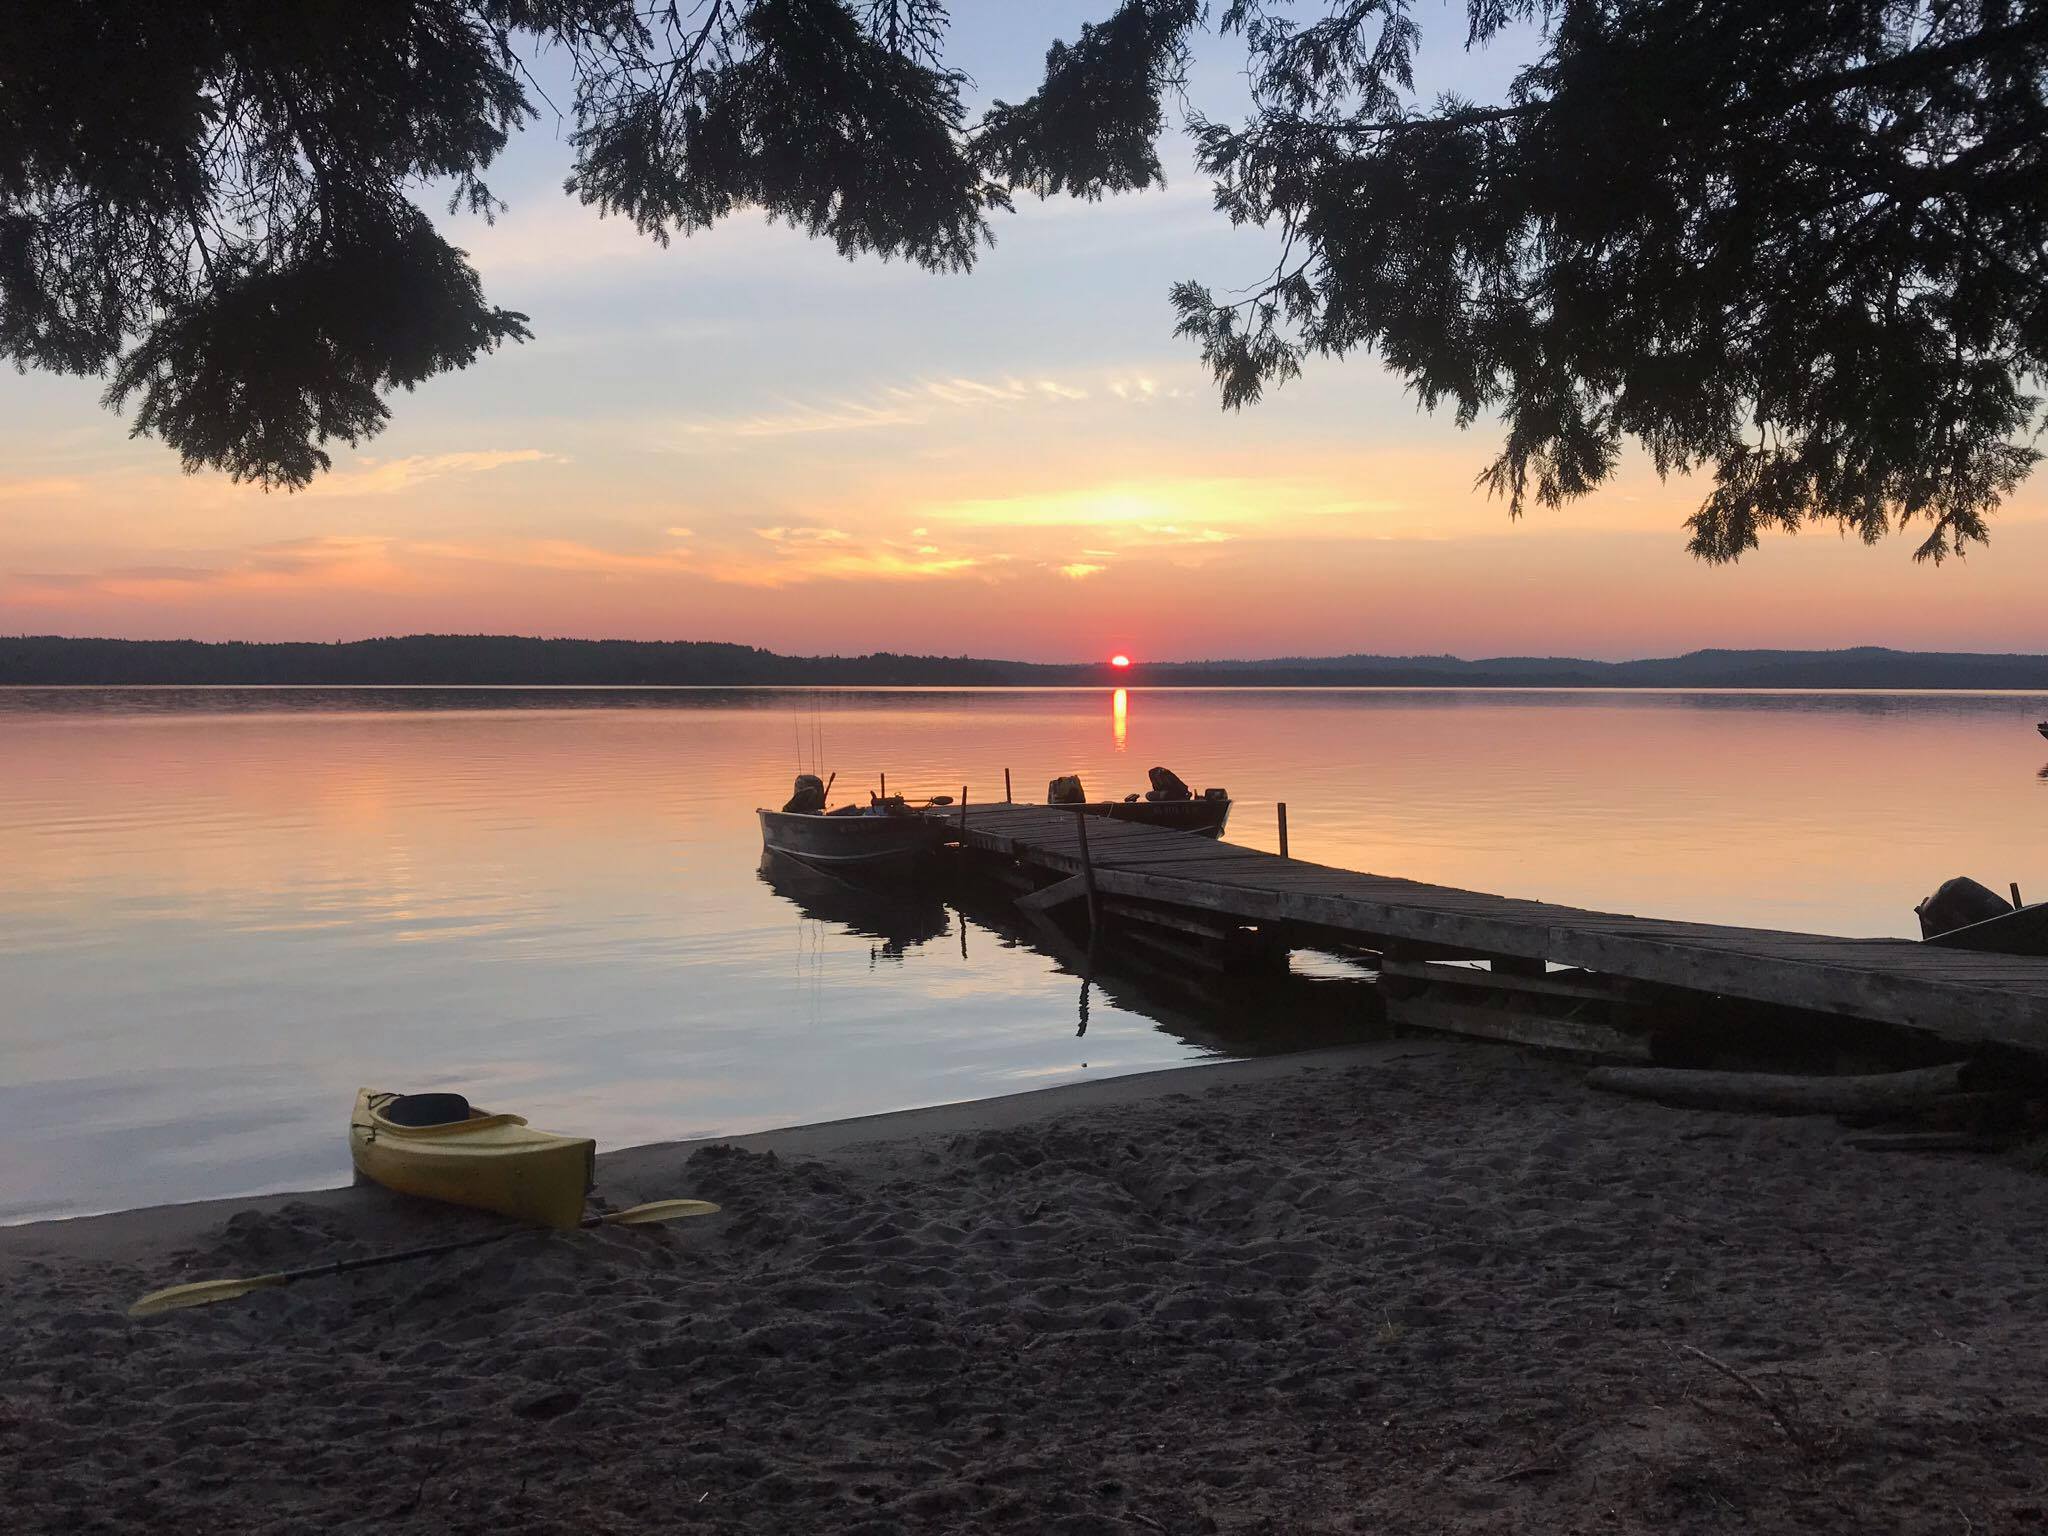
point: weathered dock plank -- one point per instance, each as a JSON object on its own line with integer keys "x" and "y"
{"x": 1968, "y": 995}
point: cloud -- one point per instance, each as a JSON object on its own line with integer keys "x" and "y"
{"x": 912, "y": 404}
{"x": 396, "y": 475}
{"x": 801, "y": 420}
{"x": 804, "y": 536}
{"x": 331, "y": 562}
{"x": 342, "y": 562}
{"x": 1134, "y": 514}
{"x": 1081, "y": 570}
{"x": 568, "y": 555}
{"x": 1139, "y": 390}
{"x": 46, "y": 488}
{"x": 805, "y": 553}
{"x": 808, "y": 563}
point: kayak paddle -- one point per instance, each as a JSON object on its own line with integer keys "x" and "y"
{"x": 200, "y": 1293}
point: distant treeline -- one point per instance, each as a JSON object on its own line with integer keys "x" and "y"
{"x": 510, "y": 660}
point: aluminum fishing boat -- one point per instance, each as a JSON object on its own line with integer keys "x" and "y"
{"x": 871, "y": 837}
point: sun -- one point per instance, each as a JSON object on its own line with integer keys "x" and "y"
{"x": 1119, "y": 660}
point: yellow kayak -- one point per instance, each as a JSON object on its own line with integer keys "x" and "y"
{"x": 436, "y": 1146}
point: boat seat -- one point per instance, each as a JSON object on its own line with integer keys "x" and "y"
{"x": 419, "y": 1109}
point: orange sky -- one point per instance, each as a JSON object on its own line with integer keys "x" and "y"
{"x": 745, "y": 438}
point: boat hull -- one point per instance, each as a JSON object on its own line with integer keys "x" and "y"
{"x": 1205, "y": 818}
{"x": 488, "y": 1162}
{"x": 2023, "y": 931}
{"x": 849, "y": 841}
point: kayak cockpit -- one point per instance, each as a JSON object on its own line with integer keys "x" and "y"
{"x": 431, "y": 1114}
{"x": 423, "y": 1109}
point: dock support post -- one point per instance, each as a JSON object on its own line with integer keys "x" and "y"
{"x": 1006, "y": 787}
{"x": 963, "y": 810}
{"x": 885, "y": 786}
{"x": 1283, "y": 829}
{"x": 1087, "y": 873}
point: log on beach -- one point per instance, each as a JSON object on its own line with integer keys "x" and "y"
{"x": 1780, "y": 1094}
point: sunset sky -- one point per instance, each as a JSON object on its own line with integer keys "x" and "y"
{"x": 744, "y": 437}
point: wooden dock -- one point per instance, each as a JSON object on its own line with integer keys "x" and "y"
{"x": 1957, "y": 994}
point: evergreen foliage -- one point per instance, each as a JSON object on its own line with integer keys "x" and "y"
{"x": 1803, "y": 249}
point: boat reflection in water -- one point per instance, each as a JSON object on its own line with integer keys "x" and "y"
{"x": 1327, "y": 1003}
{"x": 899, "y": 914}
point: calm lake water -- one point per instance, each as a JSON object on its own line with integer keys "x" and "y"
{"x": 223, "y": 910}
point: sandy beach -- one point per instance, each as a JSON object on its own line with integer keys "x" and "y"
{"x": 1403, "y": 1287}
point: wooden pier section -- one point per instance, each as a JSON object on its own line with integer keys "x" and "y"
{"x": 1957, "y": 994}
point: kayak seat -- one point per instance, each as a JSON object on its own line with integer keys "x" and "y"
{"x": 426, "y": 1109}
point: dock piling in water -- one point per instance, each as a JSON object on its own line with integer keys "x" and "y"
{"x": 1087, "y": 874}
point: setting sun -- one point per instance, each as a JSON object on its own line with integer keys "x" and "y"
{"x": 1119, "y": 661}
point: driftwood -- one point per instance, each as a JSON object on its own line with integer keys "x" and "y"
{"x": 1885, "y": 1091}
{"x": 1518, "y": 1026}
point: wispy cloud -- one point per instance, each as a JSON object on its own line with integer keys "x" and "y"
{"x": 912, "y": 404}
{"x": 1133, "y": 514}
{"x": 810, "y": 553}
{"x": 803, "y": 564}
{"x": 395, "y": 475}
{"x": 1081, "y": 570}
{"x": 357, "y": 563}
{"x": 45, "y": 488}
{"x": 800, "y": 421}
{"x": 804, "y": 536}
{"x": 331, "y": 561}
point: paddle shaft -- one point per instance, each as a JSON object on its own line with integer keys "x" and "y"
{"x": 431, "y": 1250}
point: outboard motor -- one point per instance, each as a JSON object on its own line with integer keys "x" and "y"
{"x": 1168, "y": 785}
{"x": 1959, "y": 903}
{"x": 1066, "y": 790}
{"x": 809, "y": 799}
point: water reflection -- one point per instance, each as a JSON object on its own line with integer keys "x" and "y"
{"x": 897, "y": 913}
{"x": 1119, "y": 711}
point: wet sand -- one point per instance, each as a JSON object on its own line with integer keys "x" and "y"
{"x": 1407, "y": 1287}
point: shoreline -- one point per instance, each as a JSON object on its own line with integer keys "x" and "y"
{"x": 154, "y": 1228}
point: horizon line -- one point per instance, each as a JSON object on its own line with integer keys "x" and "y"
{"x": 1136, "y": 663}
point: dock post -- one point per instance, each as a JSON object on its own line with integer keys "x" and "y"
{"x": 963, "y": 810}
{"x": 1283, "y": 829}
{"x": 1006, "y": 787}
{"x": 1087, "y": 871}
{"x": 885, "y": 786}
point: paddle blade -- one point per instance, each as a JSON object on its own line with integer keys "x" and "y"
{"x": 659, "y": 1210}
{"x": 201, "y": 1293}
